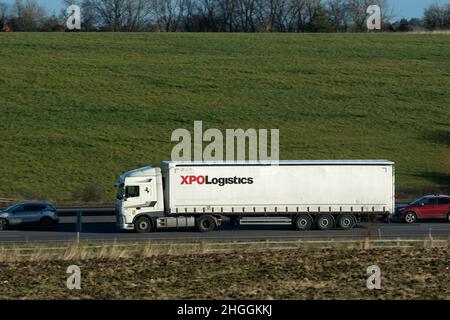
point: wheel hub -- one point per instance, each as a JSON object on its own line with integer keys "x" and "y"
{"x": 143, "y": 225}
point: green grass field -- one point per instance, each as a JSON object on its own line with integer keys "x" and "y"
{"x": 79, "y": 109}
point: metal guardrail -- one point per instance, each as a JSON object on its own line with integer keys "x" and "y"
{"x": 89, "y": 211}
{"x": 72, "y": 211}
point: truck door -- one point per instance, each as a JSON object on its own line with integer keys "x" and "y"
{"x": 149, "y": 196}
{"x": 132, "y": 198}
{"x": 140, "y": 197}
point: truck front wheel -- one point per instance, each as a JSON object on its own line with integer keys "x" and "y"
{"x": 142, "y": 225}
{"x": 206, "y": 223}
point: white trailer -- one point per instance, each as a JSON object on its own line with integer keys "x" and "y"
{"x": 320, "y": 194}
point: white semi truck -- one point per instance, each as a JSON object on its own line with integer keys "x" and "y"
{"x": 313, "y": 194}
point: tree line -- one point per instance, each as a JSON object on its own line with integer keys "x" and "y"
{"x": 217, "y": 16}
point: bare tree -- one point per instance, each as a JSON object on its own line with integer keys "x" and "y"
{"x": 246, "y": 10}
{"x": 89, "y": 17}
{"x": 29, "y": 15}
{"x": 207, "y": 11}
{"x": 447, "y": 16}
{"x": 119, "y": 15}
{"x": 136, "y": 14}
{"x": 301, "y": 13}
{"x": 434, "y": 17}
{"x": 338, "y": 14}
{"x": 169, "y": 14}
{"x": 273, "y": 13}
{"x": 4, "y": 8}
{"x": 110, "y": 13}
{"x": 227, "y": 13}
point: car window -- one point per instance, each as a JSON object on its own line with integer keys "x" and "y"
{"x": 34, "y": 207}
{"x": 18, "y": 209}
{"x": 443, "y": 201}
{"x": 417, "y": 201}
{"x": 429, "y": 201}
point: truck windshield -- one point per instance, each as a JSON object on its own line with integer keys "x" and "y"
{"x": 120, "y": 192}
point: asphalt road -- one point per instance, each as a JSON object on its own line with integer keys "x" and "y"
{"x": 102, "y": 228}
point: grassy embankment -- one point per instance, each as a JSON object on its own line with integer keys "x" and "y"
{"x": 79, "y": 109}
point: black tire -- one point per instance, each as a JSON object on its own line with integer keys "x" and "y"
{"x": 303, "y": 222}
{"x": 206, "y": 223}
{"x": 410, "y": 217}
{"x": 142, "y": 225}
{"x": 3, "y": 224}
{"x": 46, "y": 223}
{"x": 346, "y": 221}
{"x": 448, "y": 217}
{"x": 325, "y": 222}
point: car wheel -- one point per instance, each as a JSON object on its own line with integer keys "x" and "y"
{"x": 142, "y": 225}
{"x": 46, "y": 223}
{"x": 346, "y": 221}
{"x": 448, "y": 217}
{"x": 303, "y": 222}
{"x": 410, "y": 217}
{"x": 3, "y": 224}
{"x": 206, "y": 223}
{"x": 325, "y": 222}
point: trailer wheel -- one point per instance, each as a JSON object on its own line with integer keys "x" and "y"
{"x": 206, "y": 223}
{"x": 303, "y": 222}
{"x": 142, "y": 225}
{"x": 346, "y": 221}
{"x": 325, "y": 222}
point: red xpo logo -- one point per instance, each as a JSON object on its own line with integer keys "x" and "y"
{"x": 192, "y": 179}
{"x": 189, "y": 180}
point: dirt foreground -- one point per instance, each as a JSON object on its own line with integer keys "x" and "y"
{"x": 413, "y": 273}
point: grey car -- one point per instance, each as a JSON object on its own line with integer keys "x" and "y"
{"x": 29, "y": 213}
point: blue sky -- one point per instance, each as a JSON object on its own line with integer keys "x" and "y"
{"x": 412, "y": 8}
{"x": 402, "y": 8}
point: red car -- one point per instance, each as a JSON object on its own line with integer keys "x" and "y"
{"x": 428, "y": 207}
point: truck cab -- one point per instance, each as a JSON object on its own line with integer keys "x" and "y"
{"x": 139, "y": 195}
